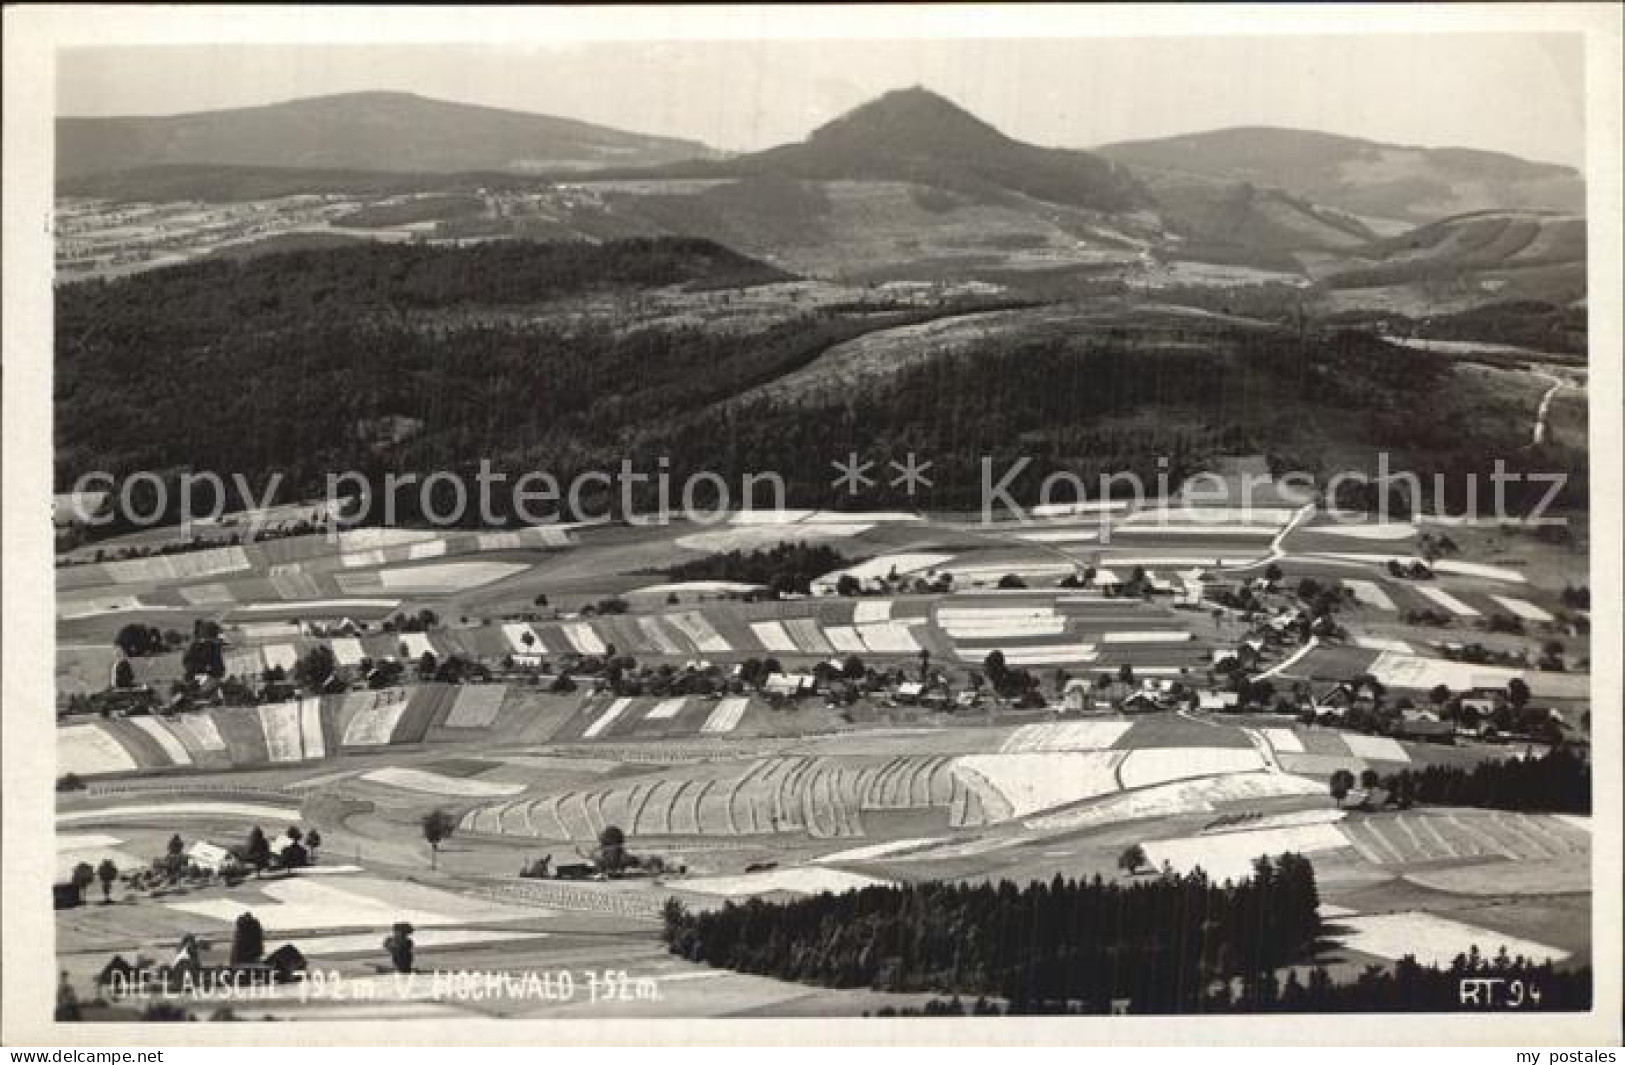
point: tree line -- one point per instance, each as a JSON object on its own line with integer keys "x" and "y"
{"x": 785, "y": 568}
{"x": 1559, "y": 782}
{"x": 1161, "y": 942}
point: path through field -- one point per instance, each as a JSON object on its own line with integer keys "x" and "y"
{"x": 1538, "y": 436}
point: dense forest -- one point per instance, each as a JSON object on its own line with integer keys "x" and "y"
{"x": 278, "y": 363}
{"x": 1558, "y": 782}
{"x": 1162, "y": 942}
{"x": 785, "y": 568}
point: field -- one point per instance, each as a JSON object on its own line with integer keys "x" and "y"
{"x": 742, "y": 792}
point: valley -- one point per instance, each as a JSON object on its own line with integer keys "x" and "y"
{"x": 565, "y": 750}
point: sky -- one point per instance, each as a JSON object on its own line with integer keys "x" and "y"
{"x": 1518, "y": 93}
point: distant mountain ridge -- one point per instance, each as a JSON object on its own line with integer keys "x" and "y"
{"x": 1361, "y": 177}
{"x": 373, "y": 131}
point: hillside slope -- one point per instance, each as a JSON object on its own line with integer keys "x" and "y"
{"x": 1359, "y": 176}
{"x": 1513, "y": 255}
{"x": 377, "y": 131}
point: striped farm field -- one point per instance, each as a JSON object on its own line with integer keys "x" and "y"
{"x": 1065, "y": 736}
{"x": 665, "y": 710}
{"x": 726, "y": 717}
{"x": 603, "y": 720}
{"x": 1382, "y": 643}
{"x": 1443, "y": 598}
{"x": 422, "y": 780}
{"x": 445, "y": 576}
{"x": 279, "y": 722}
{"x": 161, "y": 734}
{"x": 1034, "y": 655}
{"x": 189, "y": 809}
{"x": 309, "y": 729}
{"x": 476, "y": 706}
{"x": 1522, "y": 608}
{"x": 582, "y": 637}
{"x": 370, "y": 718}
{"x": 198, "y": 732}
{"x": 1375, "y": 748}
{"x": 1434, "y": 835}
{"x": 89, "y": 751}
{"x": 773, "y": 637}
{"x": 1196, "y": 795}
{"x": 821, "y": 797}
{"x": 662, "y": 638}
{"x": 1030, "y": 782}
{"x": 1283, "y": 740}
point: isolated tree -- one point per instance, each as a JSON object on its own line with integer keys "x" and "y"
{"x": 847, "y": 585}
{"x": 426, "y": 665}
{"x": 1272, "y": 573}
{"x": 1518, "y": 693}
{"x": 294, "y": 856}
{"x": 994, "y": 667}
{"x": 175, "y": 856}
{"x": 1342, "y": 782}
{"x": 138, "y": 640}
{"x": 67, "y": 1001}
{"x": 258, "y": 850}
{"x": 1125, "y": 673}
{"x": 1132, "y": 859}
{"x": 1439, "y": 695}
{"x": 107, "y": 873}
{"x": 398, "y": 944}
{"x": 1369, "y": 779}
{"x": 313, "y": 840}
{"x": 528, "y": 638}
{"x": 611, "y": 849}
{"x": 247, "y": 940}
{"x": 314, "y": 669}
{"x": 83, "y": 877}
{"x": 123, "y": 674}
{"x": 438, "y": 825}
{"x": 204, "y": 656}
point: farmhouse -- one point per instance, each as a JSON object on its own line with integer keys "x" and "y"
{"x": 1335, "y": 700}
{"x": 206, "y": 855}
{"x": 789, "y": 685}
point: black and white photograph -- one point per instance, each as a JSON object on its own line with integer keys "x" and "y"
{"x": 1014, "y": 516}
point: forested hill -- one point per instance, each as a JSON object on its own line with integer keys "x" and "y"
{"x": 209, "y": 295}
{"x": 282, "y": 365}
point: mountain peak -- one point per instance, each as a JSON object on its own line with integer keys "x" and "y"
{"x": 915, "y": 116}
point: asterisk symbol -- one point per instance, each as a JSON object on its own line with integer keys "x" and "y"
{"x": 911, "y": 474}
{"x": 853, "y": 474}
